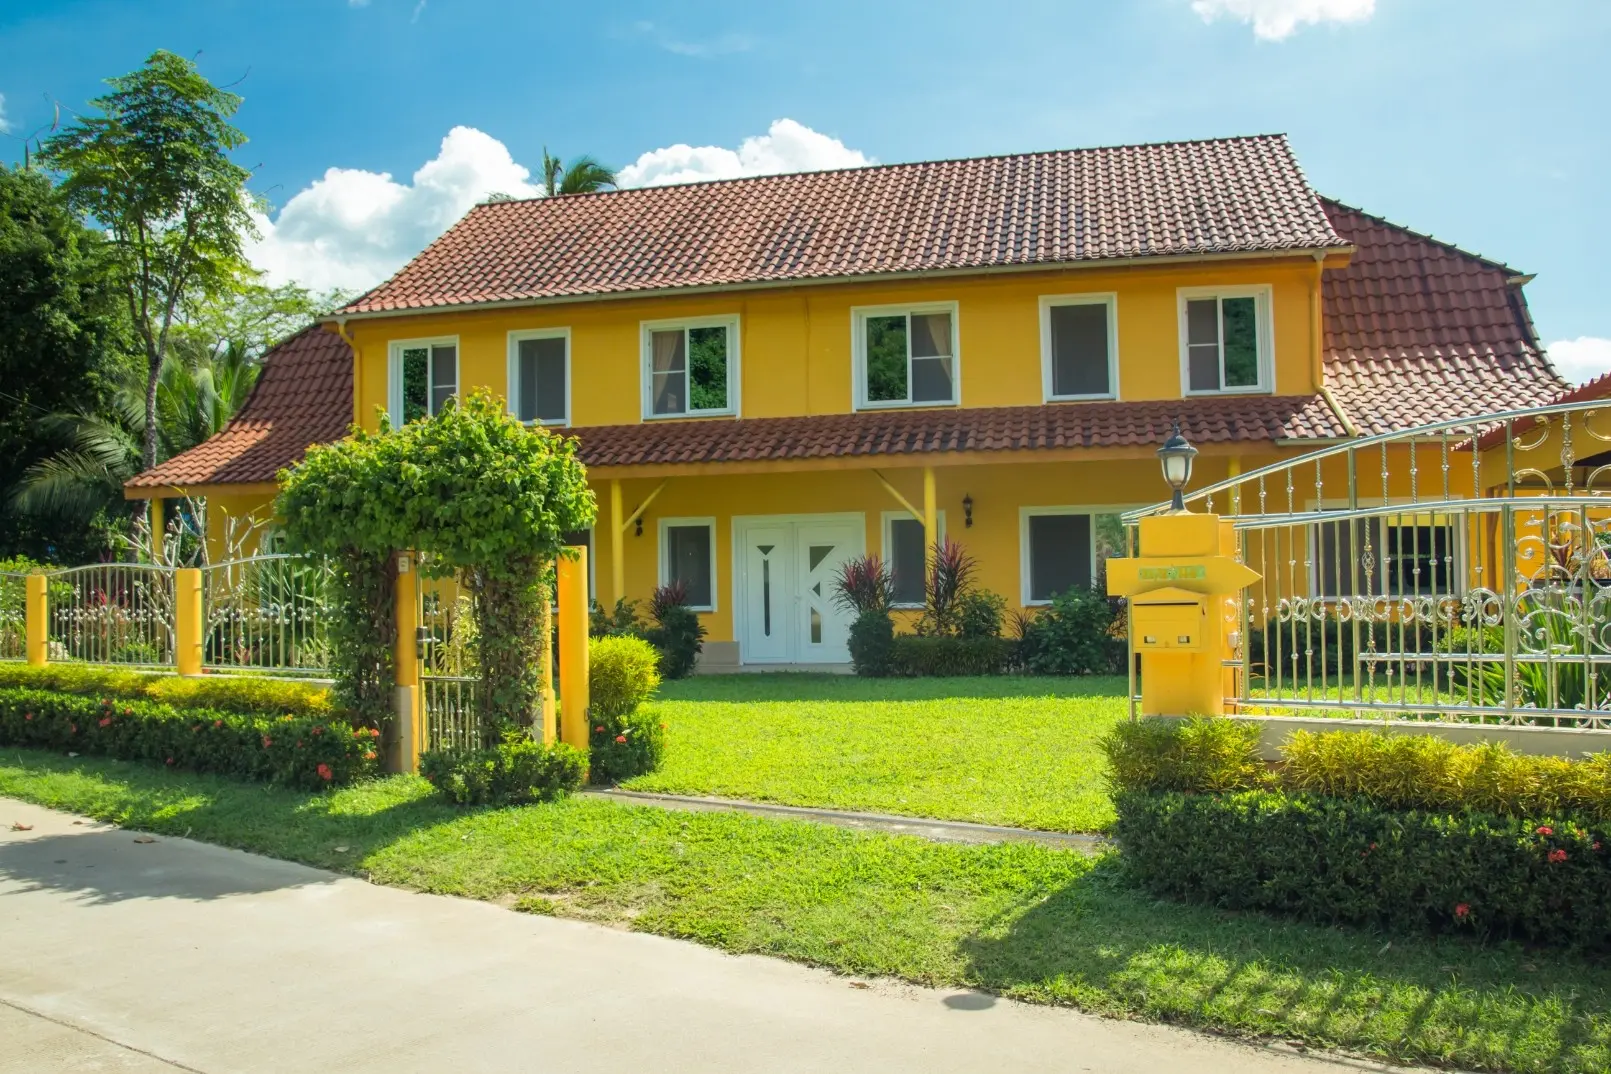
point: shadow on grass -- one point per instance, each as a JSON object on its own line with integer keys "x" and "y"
{"x": 816, "y": 686}
{"x": 1106, "y": 946}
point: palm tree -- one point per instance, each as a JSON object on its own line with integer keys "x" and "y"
{"x": 583, "y": 175}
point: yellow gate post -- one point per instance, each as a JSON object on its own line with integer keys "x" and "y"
{"x": 574, "y": 695}
{"x": 37, "y": 613}
{"x": 405, "y": 657}
{"x": 1178, "y": 623}
{"x": 187, "y": 621}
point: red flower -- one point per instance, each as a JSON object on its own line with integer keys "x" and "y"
{"x": 1596, "y": 846}
{"x": 370, "y": 756}
{"x": 598, "y": 730}
{"x": 128, "y": 712}
{"x": 170, "y": 760}
{"x": 218, "y": 723}
{"x": 1557, "y": 855}
{"x": 104, "y": 720}
{"x": 267, "y": 742}
{"x": 324, "y": 772}
{"x": 1462, "y": 910}
{"x": 318, "y": 730}
{"x": 620, "y": 738}
{"x": 374, "y": 732}
{"x": 1545, "y": 829}
{"x": 27, "y": 716}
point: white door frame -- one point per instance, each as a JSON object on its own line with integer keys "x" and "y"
{"x": 741, "y": 525}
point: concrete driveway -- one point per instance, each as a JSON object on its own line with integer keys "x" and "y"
{"x": 123, "y": 955}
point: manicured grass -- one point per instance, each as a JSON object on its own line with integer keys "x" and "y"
{"x": 1044, "y": 925}
{"x": 1015, "y": 751}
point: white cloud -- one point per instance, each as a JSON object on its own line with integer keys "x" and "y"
{"x": 1274, "y": 20}
{"x": 1581, "y": 359}
{"x": 353, "y": 228}
{"x": 787, "y": 146}
{"x": 4, "y": 126}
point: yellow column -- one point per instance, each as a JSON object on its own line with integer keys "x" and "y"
{"x": 617, "y": 566}
{"x": 187, "y": 621}
{"x": 157, "y": 528}
{"x": 931, "y": 518}
{"x": 406, "y": 611}
{"x": 574, "y": 695}
{"x": 37, "y": 612}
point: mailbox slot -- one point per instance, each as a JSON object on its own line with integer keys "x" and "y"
{"x": 1169, "y": 619}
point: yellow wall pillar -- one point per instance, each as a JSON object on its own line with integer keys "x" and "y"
{"x": 158, "y": 526}
{"x": 1179, "y": 617}
{"x": 617, "y": 525}
{"x": 574, "y": 694}
{"x": 931, "y": 519}
{"x": 406, "y": 612}
{"x": 37, "y": 615}
{"x": 187, "y": 621}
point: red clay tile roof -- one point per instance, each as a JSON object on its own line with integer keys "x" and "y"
{"x": 1588, "y": 391}
{"x": 1418, "y": 330}
{"x": 302, "y": 397}
{"x": 908, "y": 432}
{"x": 1230, "y": 195}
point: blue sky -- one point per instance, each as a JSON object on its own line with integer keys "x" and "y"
{"x": 1480, "y": 121}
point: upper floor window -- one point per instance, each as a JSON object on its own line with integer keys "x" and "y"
{"x": 1079, "y": 346}
{"x": 690, "y": 367}
{"x": 539, "y": 376}
{"x": 905, "y": 355}
{"x": 423, "y": 375}
{"x": 1225, "y": 339}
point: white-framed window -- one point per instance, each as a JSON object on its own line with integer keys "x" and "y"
{"x": 688, "y": 555}
{"x": 423, "y": 374}
{"x": 540, "y": 376}
{"x": 904, "y": 554}
{"x": 1079, "y": 346}
{"x": 1417, "y": 553}
{"x": 1063, "y": 548}
{"x": 690, "y": 367}
{"x": 906, "y": 355}
{"x": 1226, "y": 340}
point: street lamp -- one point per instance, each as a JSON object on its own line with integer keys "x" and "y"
{"x": 1176, "y": 456}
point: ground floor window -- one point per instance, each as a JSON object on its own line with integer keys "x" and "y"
{"x": 688, "y": 555}
{"x": 1390, "y": 556}
{"x": 904, "y": 555}
{"x": 1065, "y": 548}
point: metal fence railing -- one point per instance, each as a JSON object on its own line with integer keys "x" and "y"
{"x": 112, "y": 613}
{"x": 1460, "y": 572}
{"x": 267, "y": 614}
{"x": 449, "y": 667}
{"x": 13, "y": 615}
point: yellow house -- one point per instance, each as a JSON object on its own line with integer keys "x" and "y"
{"x": 769, "y": 376}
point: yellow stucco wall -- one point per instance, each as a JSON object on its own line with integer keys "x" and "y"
{"x": 795, "y": 343}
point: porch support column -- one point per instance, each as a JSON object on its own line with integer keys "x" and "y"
{"x": 617, "y": 525}
{"x": 931, "y": 519}
{"x": 187, "y": 621}
{"x": 158, "y": 524}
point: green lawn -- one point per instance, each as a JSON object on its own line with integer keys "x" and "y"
{"x": 1029, "y": 921}
{"x": 1015, "y": 751}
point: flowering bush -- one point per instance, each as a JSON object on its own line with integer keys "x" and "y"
{"x": 620, "y": 747}
{"x": 295, "y": 750}
{"x": 517, "y": 770}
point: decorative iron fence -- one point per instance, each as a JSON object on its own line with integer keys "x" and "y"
{"x": 1459, "y": 571}
{"x": 13, "y": 615}
{"x": 267, "y": 614}
{"x": 112, "y": 613}
{"x": 449, "y": 666}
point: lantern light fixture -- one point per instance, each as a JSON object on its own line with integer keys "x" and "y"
{"x": 1176, "y": 457}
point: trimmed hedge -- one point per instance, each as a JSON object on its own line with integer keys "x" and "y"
{"x": 294, "y": 750}
{"x": 227, "y": 693}
{"x": 620, "y": 747}
{"x": 515, "y": 771}
{"x": 915, "y": 655}
{"x": 622, "y": 673}
{"x": 1545, "y": 879}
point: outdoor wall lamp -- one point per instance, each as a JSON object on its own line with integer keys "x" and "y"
{"x": 638, "y": 532}
{"x": 967, "y": 511}
{"x": 1175, "y": 456}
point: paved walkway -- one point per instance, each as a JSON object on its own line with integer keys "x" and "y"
{"x": 120, "y": 953}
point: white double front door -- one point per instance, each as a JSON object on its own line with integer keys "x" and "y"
{"x": 786, "y": 612}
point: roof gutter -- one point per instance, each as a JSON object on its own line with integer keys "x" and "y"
{"x": 1317, "y": 252}
{"x": 1337, "y": 408}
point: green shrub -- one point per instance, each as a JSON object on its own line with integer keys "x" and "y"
{"x": 228, "y": 693}
{"x": 622, "y": 620}
{"x": 292, "y": 749}
{"x": 1543, "y": 878}
{"x": 517, "y": 770}
{"x": 1072, "y": 636}
{"x": 1192, "y": 755}
{"x": 622, "y": 673}
{"x": 620, "y": 747}
{"x": 872, "y": 643}
{"x": 914, "y": 655}
{"x": 979, "y": 613}
{"x": 677, "y": 633}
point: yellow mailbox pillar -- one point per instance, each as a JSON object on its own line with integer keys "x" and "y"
{"x": 1178, "y": 623}
{"x": 36, "y": 612}
{"x": 187, "y": 621}
{"x": 574, "y": 695}
{"x": 406, "y": 654}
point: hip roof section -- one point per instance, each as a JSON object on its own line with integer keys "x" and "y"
{"x": 1223, "y": 196}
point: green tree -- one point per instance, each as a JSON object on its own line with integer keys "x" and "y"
{"x": 254, "y": 318}
{"x": 583, "y": 175}
{"x": 153, "y": 168}
{"x": 65, "y": 344}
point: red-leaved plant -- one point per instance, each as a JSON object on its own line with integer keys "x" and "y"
{"x": 865, "y": 584}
